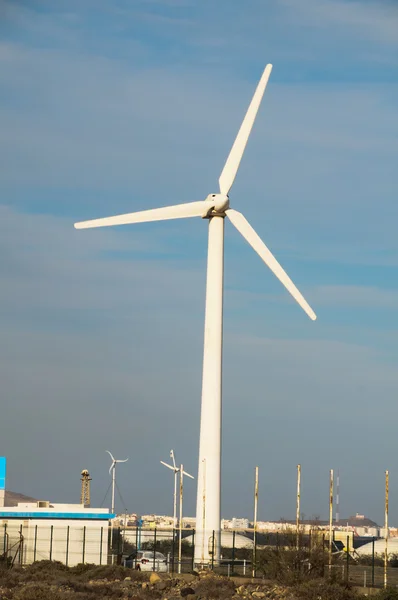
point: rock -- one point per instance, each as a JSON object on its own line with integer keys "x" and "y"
{"x": 191, "y": 597}
{"x": 154, "y": 578}
{"x": 258, "y": 595}
{"x": 241, "y": 590}
{"x": 127, "y": 579}
{"x": 161, "y": 585}
{"x": 187, "y": 591}
{"x": 144, "y": 585}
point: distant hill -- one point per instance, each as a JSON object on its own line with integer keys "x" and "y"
{"x": 12, "y": 498}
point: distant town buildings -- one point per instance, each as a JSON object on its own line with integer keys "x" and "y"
{"x": 358, "y": 525}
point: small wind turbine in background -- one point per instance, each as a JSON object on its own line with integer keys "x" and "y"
{"x": 176, "y": 471}
{"x": 112, "y": 469}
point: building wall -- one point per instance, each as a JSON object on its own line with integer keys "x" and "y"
{"x": 71, "y": 542}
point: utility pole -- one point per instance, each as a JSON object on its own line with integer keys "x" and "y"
{"x": 298, "y": 507}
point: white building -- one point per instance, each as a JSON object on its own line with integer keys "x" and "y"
{"x": 68, "y": 533}
{"x": 235, "y": 523}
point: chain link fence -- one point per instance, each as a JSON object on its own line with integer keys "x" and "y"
{"x": 281, "y": 556}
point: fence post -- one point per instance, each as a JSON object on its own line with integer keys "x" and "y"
{"x": 101, "y": 540}
{"x": 84, "y": 543}
{"x": 323, "y": 555}
{"x": 20, "y": 550}
{"x": 254, "y": 555}
{"x": 233, "y": 550}
{"x": 173, "y": 551}
{"x": 373, "y": 562}
{"x": 118, "y": 542}
{"x": 154, "y": 551}
{"x": 193, "y": 549}
{"x": 35, "y": 545}
{"x": 348, "y": 557}
{"x": 51, "y": 542}
{"x": 67, "y": 546}
{"x": 212, "y": 551}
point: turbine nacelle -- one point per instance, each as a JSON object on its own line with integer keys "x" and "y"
{"x": 220, "y": 203}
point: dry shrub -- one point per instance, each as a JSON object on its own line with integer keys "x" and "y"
{"x": 109, "y": 572}
{"x": 320, "y": 589}
{"x": 212, "y": 587}
{"x": 37, "y": 591}
{"x": 8, "y": 578}
{"x": 387, "y": 594}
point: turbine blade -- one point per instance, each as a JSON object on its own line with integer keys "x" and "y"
{"x": 179, "y": 211}
{"x": 247, "y": 231}
{"x": 125, "y": 460}
{"x": 231, "y": 167}
{"x": 168, "y": 466}
{"x": 111, "y": 467}
{"x": 110, "y": 454}
{"x": 188, "y": 475}
{"x": 172, "y": 456}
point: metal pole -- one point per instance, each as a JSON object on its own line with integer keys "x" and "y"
{"x": 193, "y": 549}
{"x": 204, "y": 510}
{"x": 51, "y": 541}
{"x": 84, "y": 543}
{"x": 102, "y": 536}
{"x": 348, "y": 556}
{"x": 180, "y": 524}
{"x": 35, "y": 545}
{"x": 20, "y": 550}
{"x": 113, "y": 502}
{"x": 255, "y": 522}
{"x": 175, "y": 499}
{"x": 373, "y": 562}
{"x": 386, "y": 532}
{"x": 330, "y": 522}
{"x": 173, "y": 551}
{"x": 67, "y": 546}
{"x": 233, "y": 550}
{"x": 298, "y": 506}
{"x": 154, "y": 549}
{"x": 212, "y": 550}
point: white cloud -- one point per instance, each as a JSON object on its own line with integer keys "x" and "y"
{"x": 376, "y": 20}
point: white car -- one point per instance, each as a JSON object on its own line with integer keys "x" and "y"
{"x": 143, "y": 560}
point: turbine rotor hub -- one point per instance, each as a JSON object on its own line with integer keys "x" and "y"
{"x": 221, "y": 202}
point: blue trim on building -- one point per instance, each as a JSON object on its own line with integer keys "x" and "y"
{"x": 4, "y": 514}
{"x": 3, "y": 464}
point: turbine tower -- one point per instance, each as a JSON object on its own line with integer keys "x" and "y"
{"x": 176, "y": 470}
{"x": 112, "y": 469}
{"x": 214, "y": 208}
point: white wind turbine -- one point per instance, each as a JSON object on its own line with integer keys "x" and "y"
{"x": 215, "y": 208}
{"x": 112, "y": 469}
{"x": 176, "y": 471}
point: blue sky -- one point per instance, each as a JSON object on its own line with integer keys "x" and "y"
{"x": 114, "y": 106}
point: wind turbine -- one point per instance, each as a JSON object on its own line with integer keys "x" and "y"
{"x": 112, "y": 469}
{"x": 215, "y": 208}
{"x": 176, "y": 471}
